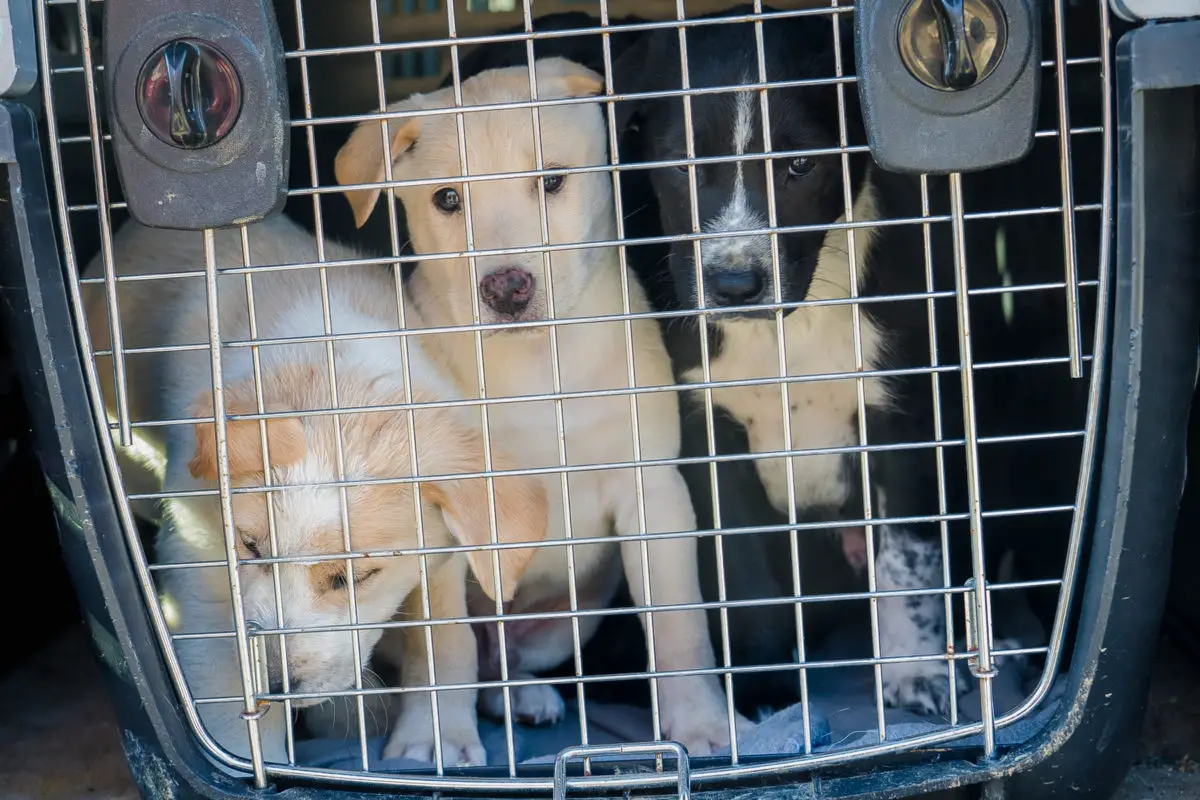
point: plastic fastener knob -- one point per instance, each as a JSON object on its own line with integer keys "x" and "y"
{"x": 189, "y": 94}
{"x": 951, "y": 45}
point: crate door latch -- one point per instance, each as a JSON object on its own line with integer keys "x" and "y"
{"x": 962, "y": 74}
{"x": 661, "y": 750}
{"x": 197, "y": 108}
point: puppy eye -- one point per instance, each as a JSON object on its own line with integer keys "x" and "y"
{"x": 251, "y": 546}
{"x": 338, "y": 582}
{"x": 447, "y": 199}
{"x": 553, "y": 183}
{"x": 799, "y": 167}
{"x": 682, "y": 169}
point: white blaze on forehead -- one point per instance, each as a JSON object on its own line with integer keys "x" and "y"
{"x": 743, "y": 125}
{"x": 736, "y": 214}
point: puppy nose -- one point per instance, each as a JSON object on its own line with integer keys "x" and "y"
{"x": 738, "y": 287}
{"x": 508, "y": 290}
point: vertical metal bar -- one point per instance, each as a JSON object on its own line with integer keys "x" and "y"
{"x": 250, "y": 710}
{"x": 705, "y": 361}
{"x": 860, "y": 387}
{"x": 331, "y": 375}
{"x": 690, "y": 137}
{"x": 343, "y": 498}
{"x": 985, "y": 671}
{"x": 1070, "y": 258}
{"x": 614, "y": 155}
{"x": 268, "y": 480}
{"x": 389, "y": 195}
{"x": 784, "y": 387}
{"x": 555, "y": 364}
{"x": 473, "y": 270}
{"x": 939, "y": 453}
{"x": 106, "y": 232}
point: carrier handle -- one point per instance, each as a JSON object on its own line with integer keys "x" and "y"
{"x": 683, "y": 785}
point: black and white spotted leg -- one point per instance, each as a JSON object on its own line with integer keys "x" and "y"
{"x": 912, "y": 625}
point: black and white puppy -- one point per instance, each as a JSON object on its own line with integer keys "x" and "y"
{"x": 812, "y": 189}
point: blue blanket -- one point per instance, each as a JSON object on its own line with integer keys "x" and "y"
{"x": 842, "y": 715}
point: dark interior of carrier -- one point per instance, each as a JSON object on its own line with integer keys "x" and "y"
{"x": 1014, "y": 227}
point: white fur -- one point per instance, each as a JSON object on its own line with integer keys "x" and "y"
{"x": 913, "y": 625}
{"x": 736, "y": 214}
{"x": 166, "y": 386}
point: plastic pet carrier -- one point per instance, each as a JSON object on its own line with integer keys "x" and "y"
{"x": 576, "y": 399}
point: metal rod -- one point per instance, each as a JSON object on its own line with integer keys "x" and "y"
{"x": 986, "y": 671}
{"x": 1070, "y": 256}
{"x": 250, "y": 703}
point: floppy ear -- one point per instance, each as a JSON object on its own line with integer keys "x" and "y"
{"x": 629, "y": 76}
{"x": 285, "y": 437}
{"x": 573, "y": 78}
{"x": 361, "y": 159}
{"x": 445, "y": 447}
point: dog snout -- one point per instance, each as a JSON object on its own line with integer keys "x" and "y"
{"x": 507, "y": 291}
{"x": 735, "y": 287}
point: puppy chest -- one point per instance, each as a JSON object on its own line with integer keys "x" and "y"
{"x": 817, "y": 414}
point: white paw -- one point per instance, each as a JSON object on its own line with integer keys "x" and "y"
{"x": 413, "y": 739}
{"x": 531, "y": 705}
{"x": 700, "y": 722}
{"x": 923, "y": 687}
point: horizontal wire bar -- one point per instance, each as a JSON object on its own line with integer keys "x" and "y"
{"x": 315, "y": 558}
{"x": 545, "y": 616}
{"x": 603, "y": 467}
{"x": 477, "y": 402}
{"x": 627, "y": 167}
{"x": 584, "y": 320}
{"x": 845, "y": 663}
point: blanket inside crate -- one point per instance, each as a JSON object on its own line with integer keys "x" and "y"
{"x": 842, "y": 715}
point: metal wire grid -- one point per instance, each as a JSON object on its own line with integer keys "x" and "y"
{"x": 101, "y": 210}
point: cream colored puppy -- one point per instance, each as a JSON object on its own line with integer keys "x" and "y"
{"x": 592, "y": 357}
{"x": 304, "y": 518}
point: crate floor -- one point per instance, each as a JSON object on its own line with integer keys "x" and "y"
{"x": 842, "y": 715}
{"x": 60, "y": 741}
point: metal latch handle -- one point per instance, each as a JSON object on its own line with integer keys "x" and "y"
{"x": 683, "y": 777}
{"x": 958, "y": 70}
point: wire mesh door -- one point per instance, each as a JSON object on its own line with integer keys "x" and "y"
{"x": 586, "y": 405}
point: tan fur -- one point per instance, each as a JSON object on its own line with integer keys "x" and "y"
{"x": 506, "y": 214}
{"x": 285, "y": 439}
{"x": 361, "y": 161}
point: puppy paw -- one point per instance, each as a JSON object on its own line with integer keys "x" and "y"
{"x": 531, "y": 705}
{"x": 700, "y": 722}
{"x": 923, "y": 687}
{"x": 412, "y": 738}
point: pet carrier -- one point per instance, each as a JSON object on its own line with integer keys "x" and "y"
{"x": 312, "y": 306}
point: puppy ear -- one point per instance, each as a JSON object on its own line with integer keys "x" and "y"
{"x": 629, "y": 74}
{"x": 361, "y": 159}
{"x": 285, "y": 437}
{"x": 574, "y": 79}
{"x": 445, "y": 447}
